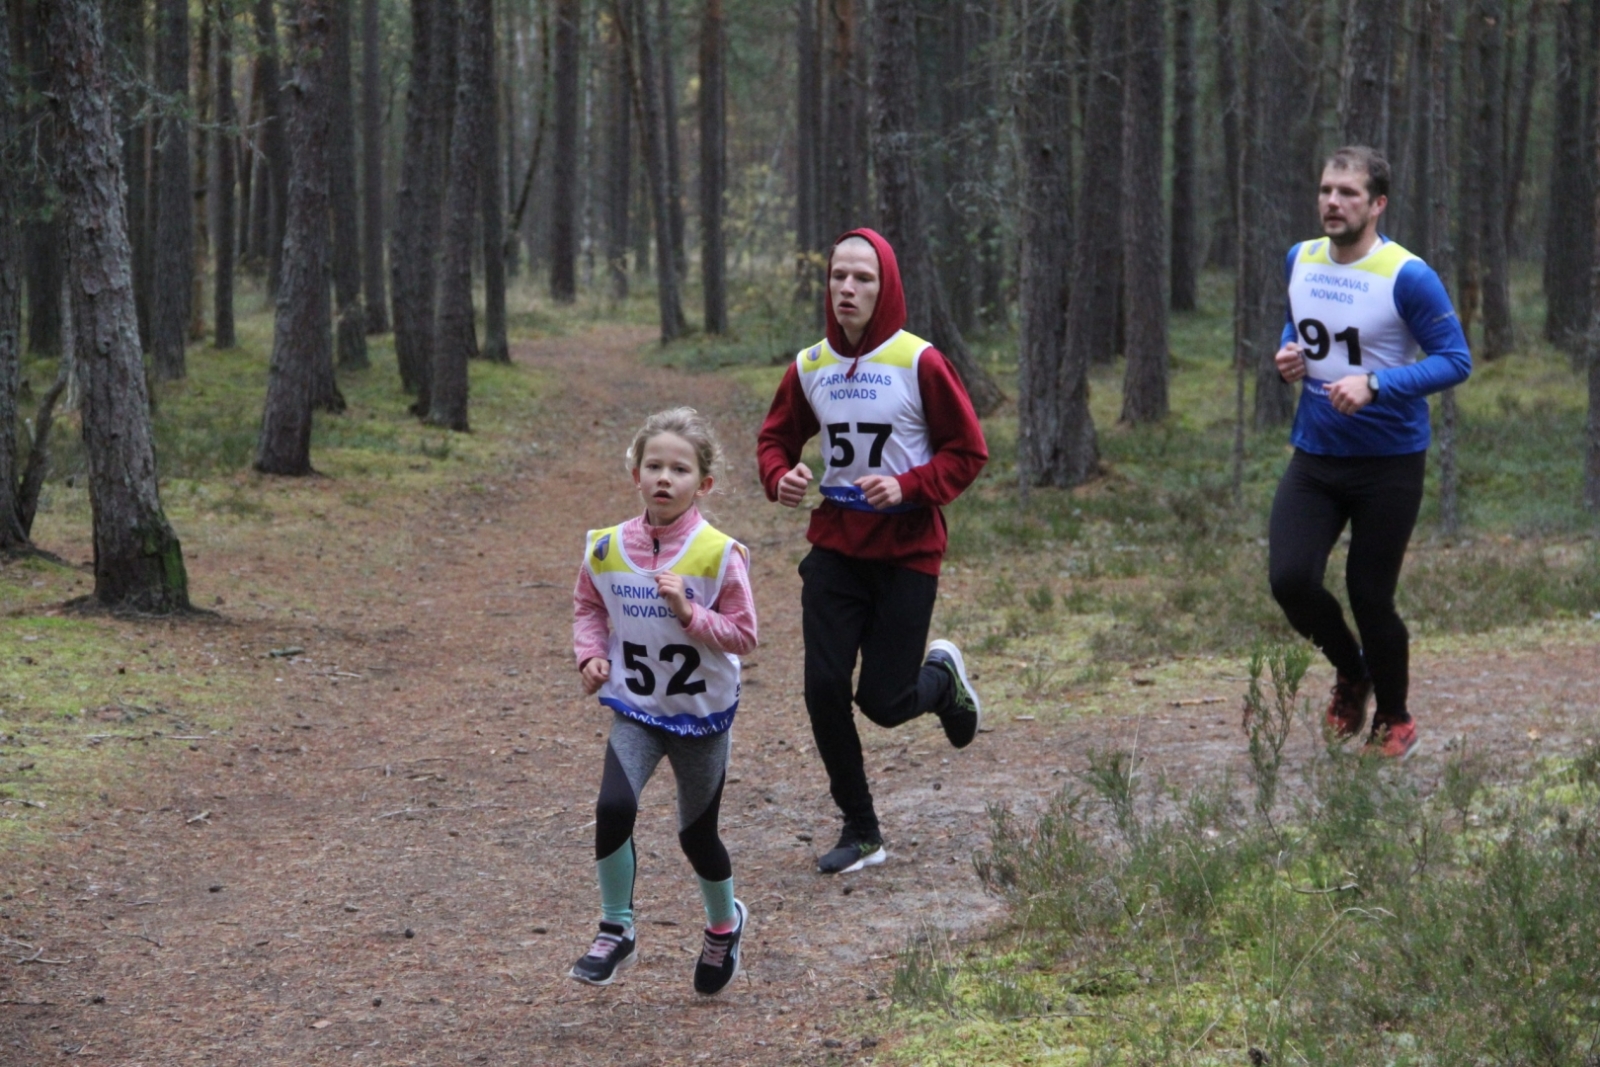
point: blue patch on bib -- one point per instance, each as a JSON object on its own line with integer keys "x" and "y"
{"x": 602, "y": 546}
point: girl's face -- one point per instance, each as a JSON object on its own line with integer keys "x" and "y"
{"x": 669, "y": 478}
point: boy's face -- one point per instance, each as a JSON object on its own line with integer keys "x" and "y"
{"x": 853, "y": 285}
{"x": 668, "y": 477}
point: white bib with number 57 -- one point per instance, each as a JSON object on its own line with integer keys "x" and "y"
{"x": 872, "y": 420}
{"x": 1344, "y": 313}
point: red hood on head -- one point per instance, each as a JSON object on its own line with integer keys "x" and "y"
{"x": 890, "y": 313}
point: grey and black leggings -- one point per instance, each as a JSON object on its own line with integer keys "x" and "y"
{"x": 700, "y": 765}
{"x": 1378, "y": 496}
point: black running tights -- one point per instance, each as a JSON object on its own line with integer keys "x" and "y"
{"x": 1378, "y": 496}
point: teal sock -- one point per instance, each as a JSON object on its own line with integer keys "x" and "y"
{"x": 616, "y": 885}
{"x": 720, "y": 917}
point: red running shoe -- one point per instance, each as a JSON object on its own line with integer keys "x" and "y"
{"x": 1397, "y": 741}
{"x": 1347, "y": 710}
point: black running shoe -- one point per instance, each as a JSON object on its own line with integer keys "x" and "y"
{"x": 613, "y": 950}
{"x": 962, "y": 717}
{"x": 719, "y": 959}
{"x": 852, "y": 853}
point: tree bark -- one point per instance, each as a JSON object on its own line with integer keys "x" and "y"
{"x": 138, "y": 561}
{"x": 12, "y": 536}
{"x": 713, "y": 166}
{"x": 350, "y": 315}
{"x": 844, "y": 177}
{"x": 1497, "y": 333}
{"x": 1273, "y": 195}
{"x": 226, "y": 147}
{"x": 41, "y": 234}
{"x": 1144, "y": 390}
{"x": 1056, "y": 441}
{"x": 1096, "y": 283}
{"x": 174, "y": 196}
{"x": 1225, "y": 244}
{"x": 1591, "y": 426}
{"x": 669, "y": 127}
{"x": 1185, "y": 174}
{"x": 274, "y": 143}
{"x": 647, "y": 89}
{"x": 900, "y": 210}
{"x": 619, "y": 154}
{"x": 372, "y": 171}
{"x": 1570, "y": 229}
{"x": 1517, "y": 148}
{"x": 1441, "y": 253}
{"x": 1365, "y": 73}
{"x": 204, "y": 134}
{"x": 808, "y": 151}
{"x": 564, "y": 189}
{"x": 454, "y": 341}
{"x": 492, "y": 213}
{"x": 303, "y": 326}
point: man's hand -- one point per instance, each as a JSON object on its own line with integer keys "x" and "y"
{"x": 595, "y": 671}
{"x": 792, "y": 486}
{"x": 1350, "y": 394}
{"x": 669, "y": 587}
{"x": 1291, "y": 361}
{"x": 881, "y": 490}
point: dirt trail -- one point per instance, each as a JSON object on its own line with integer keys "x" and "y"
{"x": 396, "y": 867}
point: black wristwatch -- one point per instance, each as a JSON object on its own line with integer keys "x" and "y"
{"x": 1372, "y": 383}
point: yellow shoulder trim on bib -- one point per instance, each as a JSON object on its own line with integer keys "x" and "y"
{"x": 901, "y": 350}
{"x": 1385, "y": 261}
{"x": 1314, "y": 251}
{"x": 603, "y": 551}
{"x": 817, "y": 357}
{"x": 703, "y": 557}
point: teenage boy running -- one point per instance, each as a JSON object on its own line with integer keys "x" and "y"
{"x": 901, "y": 440}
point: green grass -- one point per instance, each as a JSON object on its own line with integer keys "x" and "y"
{"x": 1352, "y": 921}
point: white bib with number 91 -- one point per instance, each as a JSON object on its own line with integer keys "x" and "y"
{"x": 1344, "y": 313}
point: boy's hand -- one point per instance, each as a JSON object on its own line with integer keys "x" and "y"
{"x": 595, "y": 671}
{"x": 792, "y": 486}
{"x": 670, "y": 588}
{"x": 881, "y": 490}
{"x": 1291, "y": 361}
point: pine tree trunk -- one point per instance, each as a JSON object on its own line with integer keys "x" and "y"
{"x": 669, "y": 127}
{"x": 1184, "y": 171}
{"x": 844, "y": 177}
{"x": 1144, "y": 390}
{"x": 303, "y": 327}
{"x": 1497, "y": 335}
{"x": 1225, "y": 243}
{"x": 1566, "y": 248}
{"x": 455, "y": 342}
{"x": 12, "y": 536}
{"x": 713, "y": 166}
{"x": 492, "y": 213}
{"x": 138, "y": 561}
{"x": 1092, "y": 314}
{"x": 1517, "y": 150}
{"x": 1276, "y": 189}
{"x": 275, "y": 145}
{"x": 41, "y": 235}
{"x": 900, "y": 209}
{"x": 564, "y": 191}
{"x": 227, "y": 166}
{"x": 619, "y": 156}
{"x": 350, "y": 315}
{"x": 1365, "y": 73}
{"x": 1591, "y": 426}
{"x": 174, "y": 197}
{"x": 257, "y": 179}
{"x": 1056, "y": 441}
{"x": 372, "y": 171}
{"x": 808, "y": 151}
{"x": 647, "y": 89}
{"x": 1441, "y": 253}
{"x": 204, "y": 134}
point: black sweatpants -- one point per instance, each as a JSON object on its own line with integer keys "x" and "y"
{"x": 881, "y": 611}
{"x": 1378, "y": 496}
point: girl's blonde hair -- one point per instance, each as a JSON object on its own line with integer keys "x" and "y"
{"x": 688, "y": 424}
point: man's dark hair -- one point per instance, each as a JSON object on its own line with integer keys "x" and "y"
{"x": 1360, "y": 157}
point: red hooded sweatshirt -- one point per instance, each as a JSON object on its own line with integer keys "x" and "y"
{"x": 914, "y": 538}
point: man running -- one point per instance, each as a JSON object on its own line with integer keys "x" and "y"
{"x": 1360, "y": 310}
{"x": 901, "y": 440}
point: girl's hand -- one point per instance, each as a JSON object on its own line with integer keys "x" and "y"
{"x": 670, "y": 588}
{"x": 595, "y": 671}
{"x": 792, "y": 486}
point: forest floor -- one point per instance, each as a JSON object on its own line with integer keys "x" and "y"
{"x": 386, "y": 857}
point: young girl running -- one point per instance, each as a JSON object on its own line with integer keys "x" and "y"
{"x": 661, "y": 613}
